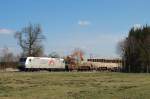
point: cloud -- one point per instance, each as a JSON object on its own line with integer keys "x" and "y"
{"x": 83, "y": 23}
{"x": 6, "y": 31}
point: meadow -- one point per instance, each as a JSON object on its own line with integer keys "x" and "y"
{"x": 74, "y": 85}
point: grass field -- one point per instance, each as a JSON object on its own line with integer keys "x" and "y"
{"x": 74, "y": 85}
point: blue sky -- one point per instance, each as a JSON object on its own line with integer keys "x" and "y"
{"x": 95, "y": 26}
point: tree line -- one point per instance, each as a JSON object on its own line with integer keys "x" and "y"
{"x": 135, "y": 50}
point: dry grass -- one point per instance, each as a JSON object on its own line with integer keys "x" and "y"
{"x": 74, "y": 85}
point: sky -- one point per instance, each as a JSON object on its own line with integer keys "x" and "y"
{"x": 95, "y": 26}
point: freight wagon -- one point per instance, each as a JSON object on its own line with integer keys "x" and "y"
{"x": 41, "y": 63}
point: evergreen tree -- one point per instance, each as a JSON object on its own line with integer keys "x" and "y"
{"x": 136, "y": 50}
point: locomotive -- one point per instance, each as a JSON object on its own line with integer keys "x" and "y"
{"x": 41, "y": 63}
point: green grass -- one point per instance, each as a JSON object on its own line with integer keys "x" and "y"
{"x": 74, "y": 85}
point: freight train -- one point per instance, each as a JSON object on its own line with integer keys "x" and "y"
{"x": 59, "y": 64}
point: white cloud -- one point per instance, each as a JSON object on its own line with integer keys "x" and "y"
{"x": 6, "y": 31}
{"x": 83, "y": 23}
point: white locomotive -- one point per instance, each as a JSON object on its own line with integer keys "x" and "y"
{"x": 41, "y": 63}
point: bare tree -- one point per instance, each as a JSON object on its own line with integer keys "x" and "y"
{"x": 29, "y": 39}
{"x": 74, "y": 59}
{"x": 8, "y": 59}
{"x": 77, "y": 55}
{"x": 7, "y": 55}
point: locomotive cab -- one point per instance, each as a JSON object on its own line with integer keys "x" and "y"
{"x": 22, "y": 62}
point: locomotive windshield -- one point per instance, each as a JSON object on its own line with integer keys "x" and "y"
{"x": 23, "y": 59}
